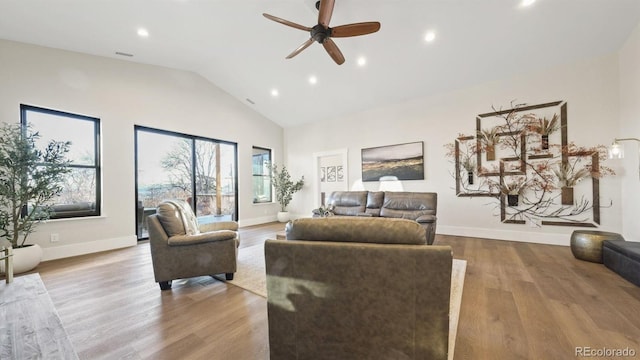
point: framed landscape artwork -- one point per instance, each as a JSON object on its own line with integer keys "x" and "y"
{"x": 393, "y": 162}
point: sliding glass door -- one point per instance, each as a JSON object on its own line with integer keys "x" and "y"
{"x": 199, "y": 170}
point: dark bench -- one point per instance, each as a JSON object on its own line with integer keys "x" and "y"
{"x": 623, "y": 257}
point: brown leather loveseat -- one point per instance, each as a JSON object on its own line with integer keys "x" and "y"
{"x": 418, "y": 206}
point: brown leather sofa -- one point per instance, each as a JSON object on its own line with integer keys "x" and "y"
{"x": 357, "y": 288}
{"x": 418, "y": 206}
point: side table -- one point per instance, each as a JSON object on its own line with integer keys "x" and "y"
{"x": 587, "y": 244}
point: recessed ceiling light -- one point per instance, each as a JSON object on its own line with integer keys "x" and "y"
{"x": 313, "y": 79}
{"x": 362, "y": 61}
{"x": 274, "y": 92}
{"x": 142, "y": 32}
{"x": 527, "y": 2}
{"x": 430, "y": 36}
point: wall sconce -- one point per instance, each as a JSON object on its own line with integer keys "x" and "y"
{"x": 617, "y": 152}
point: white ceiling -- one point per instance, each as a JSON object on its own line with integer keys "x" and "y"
{"x": 231, "y": 44}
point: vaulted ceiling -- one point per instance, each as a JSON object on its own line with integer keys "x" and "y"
{"x": 231, "y": 44}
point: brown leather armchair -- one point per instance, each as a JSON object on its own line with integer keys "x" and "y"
{"x": 181, "y": 248}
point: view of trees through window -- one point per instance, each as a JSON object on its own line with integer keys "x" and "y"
{"x": 177, "y": 166}
{"x": 80, "y": 188}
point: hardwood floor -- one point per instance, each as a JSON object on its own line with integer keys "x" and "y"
{"x": 520, "y": 301}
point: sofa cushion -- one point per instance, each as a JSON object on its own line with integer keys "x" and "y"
{"x": 177, "y": 218}
{"x": 374, "y": 202}
{"x": 357, "y": 229}
{"x": 349, "y": 203}
{"x": 408, "y": 205}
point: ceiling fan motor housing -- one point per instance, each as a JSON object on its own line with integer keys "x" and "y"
{"x": 319, "y": 33}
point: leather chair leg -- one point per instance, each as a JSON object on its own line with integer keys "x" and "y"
{"x": 165, "y": 285}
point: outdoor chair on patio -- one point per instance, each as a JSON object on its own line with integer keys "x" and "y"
{"x": 180, "y": 248}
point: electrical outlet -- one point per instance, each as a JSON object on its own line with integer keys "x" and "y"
{"x": 55, "y": 237}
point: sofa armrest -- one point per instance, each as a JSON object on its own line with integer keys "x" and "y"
{"x": 426, "y": 219}
{"x": 220, "y": 235}
{"x": 218, "y": 225}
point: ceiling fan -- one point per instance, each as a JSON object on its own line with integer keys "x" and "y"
{"x": 322, "y": 33}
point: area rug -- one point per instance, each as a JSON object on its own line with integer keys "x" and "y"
{"x": 251, "y": 276}
{"x": 30, "y": 326}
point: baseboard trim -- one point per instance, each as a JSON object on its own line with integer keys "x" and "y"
{"x": 89, "y": 247}
{"x": 509, "y": 235}
{"x": 257, "y": 221}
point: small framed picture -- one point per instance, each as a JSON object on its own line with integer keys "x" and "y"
{"x": 331, "y": 174}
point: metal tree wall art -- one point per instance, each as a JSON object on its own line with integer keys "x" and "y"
{"x": 522, "y": 157}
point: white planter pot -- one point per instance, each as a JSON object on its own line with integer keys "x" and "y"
{"x": 283, "y": 216}
{"x": 24, "y": 259}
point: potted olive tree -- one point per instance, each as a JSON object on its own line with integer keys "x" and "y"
{"x": 285, "y": 188}
{"x": 30, "y": 178}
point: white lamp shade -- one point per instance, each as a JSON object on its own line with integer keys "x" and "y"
{"x": 616, "y": 151}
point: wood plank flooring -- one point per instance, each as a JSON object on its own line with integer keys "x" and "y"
{"x": 520, "y": 301}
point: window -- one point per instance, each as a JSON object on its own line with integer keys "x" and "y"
{"x": 81, "y": 187}
{"x": 199, "y": 170}
{"x": 261, "y": 175}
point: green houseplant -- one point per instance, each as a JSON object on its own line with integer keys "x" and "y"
{"x": 285, "y": 188}
{"x": 30, "y": 178}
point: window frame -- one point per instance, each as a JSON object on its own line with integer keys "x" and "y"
{"x": 193, "y": 138}
{"x": 269, "y": 175}
{"x": 97, "y": 209}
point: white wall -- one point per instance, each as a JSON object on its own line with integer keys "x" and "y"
{"x": 589, "y": 87}
{"x": 629, "y": 59}
{"x": 123, "y": 94}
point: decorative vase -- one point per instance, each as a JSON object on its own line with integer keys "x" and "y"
{"x": 24, "y": 258}
{"x": 470, "y": 177}
{"x": 545, "y": 142}
{"x": 567, "y": 195}
{"x": 512, "y": 199}
{"x": 491, "y": 152}
{"x": 283, "y": 216}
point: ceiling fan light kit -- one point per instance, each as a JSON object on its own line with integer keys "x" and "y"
{"x": 322, "y": 33}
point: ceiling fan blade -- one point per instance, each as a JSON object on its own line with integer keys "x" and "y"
{"x": 333, "y": 51}
{"x": 286, "y": 22}
{"x": 300, "y": 48}
{"x": 356, "y": 29}
{"x": 326, "y": 9}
